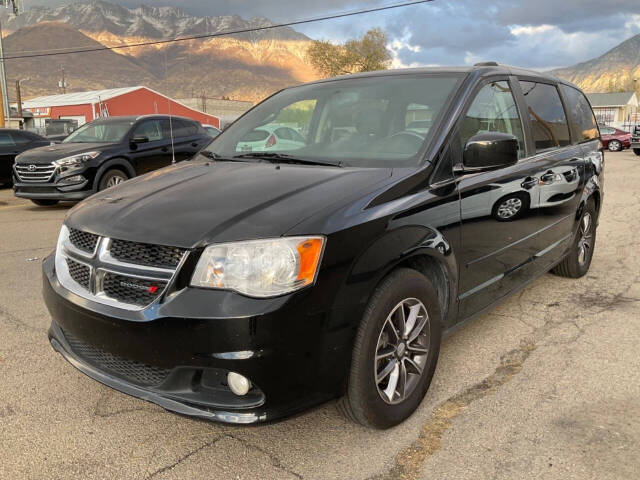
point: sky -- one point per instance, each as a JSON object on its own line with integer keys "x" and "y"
{"x": 540, "y": 34}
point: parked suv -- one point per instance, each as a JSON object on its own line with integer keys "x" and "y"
{"x": 247, "y": 286}
{"x": 104, "y": 153}
{"x": 635, "y": 140}
{"x": 12, "y": 143}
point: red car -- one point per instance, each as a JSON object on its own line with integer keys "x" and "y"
{"x": 615, "y": 140}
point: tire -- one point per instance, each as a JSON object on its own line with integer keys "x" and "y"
{"x": 574, "y": 265}
{"x": 45, "y": 203}
{"x": 614, "y": 146}
{"x": 366, "y": 402}
{"x": 511, "y": 207}
{"x": 636, "y": 151}
{"x": 111, "y": 178}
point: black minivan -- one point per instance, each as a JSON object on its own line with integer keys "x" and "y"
{"x": 244, "y": 286}
{"x": 104, "y": 153}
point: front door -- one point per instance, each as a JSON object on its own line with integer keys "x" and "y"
{"x": 156, "y": 152}
{"x": 499, "y": 218}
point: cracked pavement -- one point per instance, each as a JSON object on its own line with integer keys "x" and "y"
{"x": 546, "y": 385}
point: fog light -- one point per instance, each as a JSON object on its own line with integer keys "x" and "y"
{"x": 238, "y": 384}
{"x": 74, "y": 179}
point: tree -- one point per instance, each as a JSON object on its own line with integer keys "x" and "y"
{"x": 358, "y": 55}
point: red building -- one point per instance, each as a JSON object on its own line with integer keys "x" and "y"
{"x": 82, "y": 107}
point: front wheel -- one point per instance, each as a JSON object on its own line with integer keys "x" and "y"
{"x": 636, "y": 151}
{"x": 614, "y": 146}
{"x": 577, "y": 262}
{"x": 112, "y": 178}
{"x": 395, "y": 351}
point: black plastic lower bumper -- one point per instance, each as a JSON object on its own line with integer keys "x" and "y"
{"x": 50, "y": 191}
{"x": 173, "y": 402}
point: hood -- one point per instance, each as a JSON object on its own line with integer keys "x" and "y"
{"x": 42, "y": 155}
{"x": 194, "y": 203}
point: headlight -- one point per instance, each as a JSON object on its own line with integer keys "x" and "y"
{"x": 260, "y": 268}
{"x": 76, "y": 159}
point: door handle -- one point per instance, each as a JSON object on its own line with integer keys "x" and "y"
{"x": 548, "y": 178}
{"x": 164, "y": 149}
{"x": 195, "y": 144}
{"x": 529, "y": 182}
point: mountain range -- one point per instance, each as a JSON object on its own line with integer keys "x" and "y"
{"x": 246, "y": 66}
{"x": 613, "y": 71}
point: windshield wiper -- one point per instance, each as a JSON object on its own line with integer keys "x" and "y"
{"x": 284, "y": 158}
{"x": 214, "y": 156}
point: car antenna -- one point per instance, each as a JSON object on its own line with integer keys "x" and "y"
{"x": 166, "y": 83}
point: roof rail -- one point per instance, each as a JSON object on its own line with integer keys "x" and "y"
{"x": 486, "y": 64}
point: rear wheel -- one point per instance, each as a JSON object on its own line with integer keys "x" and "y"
{"x": 395, "y": 352}
{"x": 576, "y": 264}
{"x": 614, "y": 146}
{"x": 112, "y": 178}
{"x": 45, "y": 203}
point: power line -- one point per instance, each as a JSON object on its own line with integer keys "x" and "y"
{"x": 221, "y": 34}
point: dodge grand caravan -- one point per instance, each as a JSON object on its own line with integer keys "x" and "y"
{"x": 104, "y": 153}
{"x": 244, "y": 286}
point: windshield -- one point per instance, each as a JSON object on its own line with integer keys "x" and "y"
{"x": 382, "y": 121}
{"x": 100, "y": 132}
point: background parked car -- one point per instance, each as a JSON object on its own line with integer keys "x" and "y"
{"x": 271, "y": 136}
{"x": 614, "y": 139}
{"x": 12, "y": 143}
{"x": 635, "y": 140}
{"x": 211, "y": 130}
{"x": 104, "y": 153}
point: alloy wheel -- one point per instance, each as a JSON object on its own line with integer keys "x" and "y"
{"x": 585, "y": 244}
{"x": 401, "y": 351}
{"x": 509, "y": 208}
{"x": 614, "y": 145}
{"x": 115, "y": 180}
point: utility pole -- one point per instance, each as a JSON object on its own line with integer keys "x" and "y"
{"x": 17, "y": 8}
{"x": 62, "y": 84}
{"x": 19, "y": 95}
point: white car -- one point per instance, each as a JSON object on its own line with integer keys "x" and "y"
{"x": 271, "y": 137}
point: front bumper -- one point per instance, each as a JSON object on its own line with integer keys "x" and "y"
{"x": 635, "y": 143}
{"x": 289, "y": 354}
{"x": 50, "y": 191}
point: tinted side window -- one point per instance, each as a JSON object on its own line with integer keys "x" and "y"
{"x": 20, "y": 138}
{"x": 581, "y": 119}
{"x": 548, "y": 121}
{"x": 6, "y": 139}
{"x": 152, "y": 129}
{"x": 493, "y": 110}
{"x": 183, "y": 128}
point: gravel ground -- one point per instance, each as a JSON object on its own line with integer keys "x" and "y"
{"x": 544, "y": 386}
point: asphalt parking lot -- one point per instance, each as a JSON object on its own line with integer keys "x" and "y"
{"x": 547, "y": 385}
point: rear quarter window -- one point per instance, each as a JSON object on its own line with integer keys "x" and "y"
{"x": 582, "y": 121}
{"x": 546, "y": 113}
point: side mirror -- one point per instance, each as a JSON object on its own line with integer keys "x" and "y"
{"x": 490, "y": 151}
{"x": 139, "y": 139}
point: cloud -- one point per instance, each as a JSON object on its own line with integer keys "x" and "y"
{"x": 530, "y": 33}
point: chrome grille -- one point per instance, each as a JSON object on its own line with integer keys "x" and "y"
{"x": 135, "y": 372}
{"x": 86, "y": 264}
{"x": 34, "y": 173}
{"x": 80, "y": 273}
{"x": 146, "y": 254}
{"x": 83, "y": 240}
